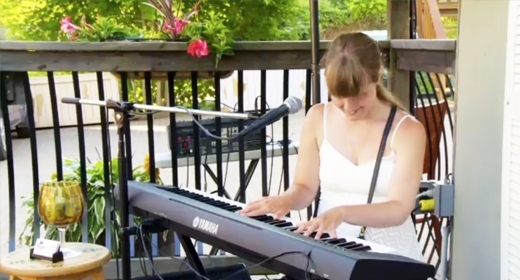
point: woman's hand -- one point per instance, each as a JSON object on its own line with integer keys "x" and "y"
{"x": 327, "y": 222}
{"x": 278, "y": 206}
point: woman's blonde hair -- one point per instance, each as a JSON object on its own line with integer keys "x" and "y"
{"x": 352, "y": 61}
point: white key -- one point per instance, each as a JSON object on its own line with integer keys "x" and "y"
{"x": 378, "y": 248}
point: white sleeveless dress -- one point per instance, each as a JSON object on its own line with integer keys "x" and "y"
{"x": 345, "y": 183}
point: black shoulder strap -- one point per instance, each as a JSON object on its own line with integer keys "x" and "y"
{"x": 382, "y": 146}
{"x": 381, "y": 151}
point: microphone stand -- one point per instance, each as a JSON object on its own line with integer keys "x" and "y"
{"x": 122, "y": 112}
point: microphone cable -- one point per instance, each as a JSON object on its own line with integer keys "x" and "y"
{"x": 142, "y": 236}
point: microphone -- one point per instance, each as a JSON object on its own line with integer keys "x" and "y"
{"x": 291, "y": 105}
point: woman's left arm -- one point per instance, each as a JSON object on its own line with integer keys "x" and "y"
{"x": 409, "y": 146}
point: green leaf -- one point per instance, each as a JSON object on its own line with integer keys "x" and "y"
{"x": 99, "y": 208}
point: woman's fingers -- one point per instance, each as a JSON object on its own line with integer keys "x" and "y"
{"x": 251, "y": 206}
{"x": 262, "y": 207}
{"x": 255, "y": 212}
{"x": 280, "y": 214}
{"x": 307, "y": 228}
{"x": 319, "y": 232}
{"x": 311, "y": 229}
{"x": 301, "y": 227}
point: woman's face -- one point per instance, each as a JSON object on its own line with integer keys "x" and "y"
{"x": 357, "y": 107}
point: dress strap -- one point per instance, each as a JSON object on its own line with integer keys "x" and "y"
{"x": 397, "y": 127}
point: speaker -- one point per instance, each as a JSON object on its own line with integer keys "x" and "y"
{"x": 228, "y": 272}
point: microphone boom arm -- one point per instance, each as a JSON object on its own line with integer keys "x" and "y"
{"x": 175, "y": 110}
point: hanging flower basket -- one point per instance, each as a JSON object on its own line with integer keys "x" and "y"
{"x": 163, "y": 76}
{"x": 203, "y": 37}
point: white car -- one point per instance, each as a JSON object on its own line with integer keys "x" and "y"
{"x": 17, "y": 121}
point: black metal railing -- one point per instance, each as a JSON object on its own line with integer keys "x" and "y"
{"x": 99, "y": 191}
{"x": 433, "y": 107}
{"x": 83, "y": 171}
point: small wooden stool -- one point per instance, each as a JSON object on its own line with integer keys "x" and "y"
{"x": 89, "y": 264}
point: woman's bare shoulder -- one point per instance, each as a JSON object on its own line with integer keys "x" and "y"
{"x": 409, "y": 131}
{"x": 314, "y": 115}
{"x": 313, "y": 124}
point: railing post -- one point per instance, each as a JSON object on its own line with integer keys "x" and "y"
{"x": 398, "y": 28}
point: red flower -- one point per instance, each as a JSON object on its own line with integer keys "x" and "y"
{"x": 177, "y": 26}
{"x": 198, "y": 48}
{"x": 67, "y": 26}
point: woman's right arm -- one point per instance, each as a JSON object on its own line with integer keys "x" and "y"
{"x": 306, "y": 180}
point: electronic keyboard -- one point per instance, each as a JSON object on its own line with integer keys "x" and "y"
{"x": 213, "y": 220}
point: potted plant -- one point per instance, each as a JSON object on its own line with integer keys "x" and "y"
{"x": 204, "y": 37}
{"x": 103, "y": 29}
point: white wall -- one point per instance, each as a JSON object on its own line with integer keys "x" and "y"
{"x": 64, "y": 88}
{"x": 479, "y": 133}
{"x": 274, "y": 92}
{"x": 510, "y": 228}
{"x": 88, "y": 87}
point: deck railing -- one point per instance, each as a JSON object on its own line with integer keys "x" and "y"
{"x": 163, "y": 73}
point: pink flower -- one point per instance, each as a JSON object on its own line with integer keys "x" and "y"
{"x": 177, "y": 26}
{"x": 198, "y": 48}
{"x": 67, "y": 26}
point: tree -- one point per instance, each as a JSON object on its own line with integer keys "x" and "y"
{"x": 250, "y": 19}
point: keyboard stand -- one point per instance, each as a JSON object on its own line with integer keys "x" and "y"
{"x": 193, "y": 256}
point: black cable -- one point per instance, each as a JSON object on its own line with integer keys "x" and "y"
{"x": 205, "y": 175}
{"x": 272, "y": 143}
{"x": 272, "y": 161}
{"x": 227, "y": 168}
{"x": 306, "y": 255}
{"x": 187, "y": 168}
{"x": 282, "y": 174}
{"x": 142, "y": 264}
{"x": 140, "y": 232}
{"x": 183, "y": 263}
{"x": 207, "y": 152}
{"x": 236, "y": 136}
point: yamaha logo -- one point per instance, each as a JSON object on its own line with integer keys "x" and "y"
{"x": 205, "y": 225}
{"x": 196, "y": 222}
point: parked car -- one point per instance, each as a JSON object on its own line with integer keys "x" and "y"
{"x": 18, "y": 122}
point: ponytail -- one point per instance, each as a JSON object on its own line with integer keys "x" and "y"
{"x": 386, "y": 96}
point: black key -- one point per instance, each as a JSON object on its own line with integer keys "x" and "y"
{"x": 293, "y": 228}
{"x": 346, "y": 244}
{"x": 231, "y": 208}
{"x": 327, "y": 239}
{"x": 204, "y": 199}
{"x": 364, "y": 248}
{"x": 284, "y": 224}
{"x": 221, "y": 204}
{"x": 337, "y": 240}
{"x": 276, "y": 222}
{"x": 353, "y": 246}
{"x": 265, "y": 218}
{"x": 323, "y": 235}
{"x": 260, "y": 217}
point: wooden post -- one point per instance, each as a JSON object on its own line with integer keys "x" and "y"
{"x": 398, "y": 28}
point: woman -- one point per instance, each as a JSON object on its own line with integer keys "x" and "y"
{"x": 338, "y": 148}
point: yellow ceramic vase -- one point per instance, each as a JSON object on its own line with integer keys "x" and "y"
{"x": 61, "y": 204}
